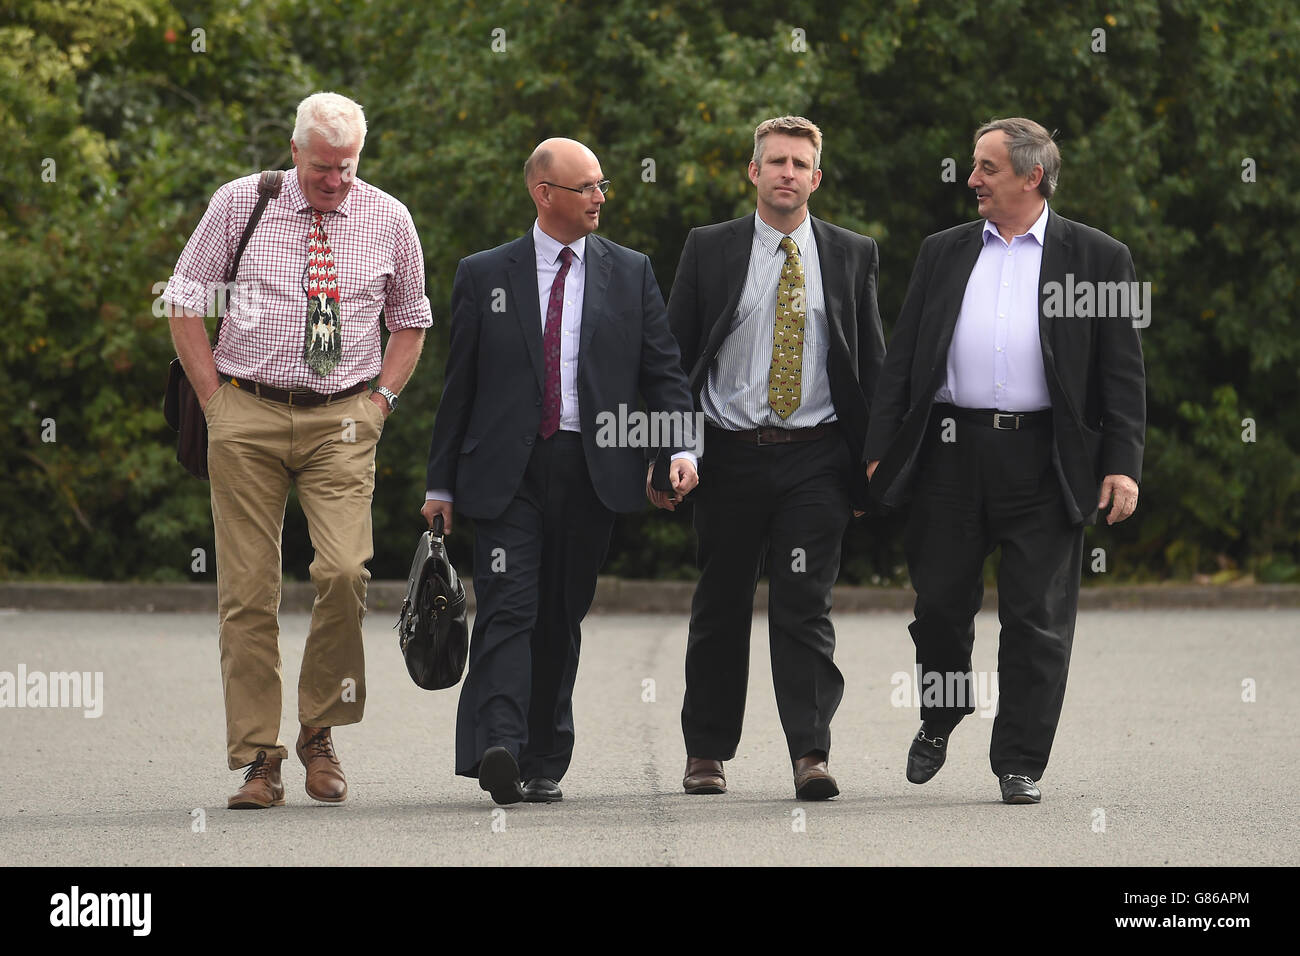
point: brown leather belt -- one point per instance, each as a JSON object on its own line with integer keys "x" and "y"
{"x": 298, "y": 397}
{"x": 1002, "y": 421}
{"x": 772, "y": 436}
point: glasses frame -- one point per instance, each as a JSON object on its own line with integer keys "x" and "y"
{"x": 603, "y": 186}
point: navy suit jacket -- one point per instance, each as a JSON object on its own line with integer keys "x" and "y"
{"x": 491, "y": 405}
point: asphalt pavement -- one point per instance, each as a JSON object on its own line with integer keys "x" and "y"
{"x": 1176, "y": 747}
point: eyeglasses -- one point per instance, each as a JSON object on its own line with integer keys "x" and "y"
{"x": 584, "y": 191}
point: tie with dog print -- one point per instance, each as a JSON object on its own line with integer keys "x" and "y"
{"x": 324, "y": 345}
{"x": 787, "y": 339}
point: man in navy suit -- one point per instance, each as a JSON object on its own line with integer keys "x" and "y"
{"x": 1008, "y": 411}
{"x": 553, "y": 336}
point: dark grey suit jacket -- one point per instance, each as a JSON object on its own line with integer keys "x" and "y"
{"x": 706, "y": 293}
{"x": 1094, "y": 367}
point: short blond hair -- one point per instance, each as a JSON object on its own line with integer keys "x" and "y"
{"x": 339, "y": 120}
{"x": 790, "y": 126}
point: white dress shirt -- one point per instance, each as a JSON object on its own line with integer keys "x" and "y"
{"x": 996, "y": 359}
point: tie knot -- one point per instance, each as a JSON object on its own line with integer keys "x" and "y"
{"x": 788, "y": 246}
{"x": 566, "y": 255}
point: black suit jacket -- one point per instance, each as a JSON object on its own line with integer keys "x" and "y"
{"x": 1093, "y": 365}
{"x": 492, "y": 396}
{"x": 706, "y": 293}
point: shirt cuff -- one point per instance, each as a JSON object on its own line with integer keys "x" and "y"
{"x": 689, "y": 456}
{"x": 438, "y": 494}
{"x": 414, "y": 314}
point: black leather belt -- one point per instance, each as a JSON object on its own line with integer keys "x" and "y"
{"x": 772, "y": 436}
{"x": 299, "y": 397}
{"x": 992, "y": 418}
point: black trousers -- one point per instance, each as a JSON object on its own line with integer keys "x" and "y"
{"x": 986, "y": 489}
{"x": 787, "y": 506}
{"x": 534, "y": 579}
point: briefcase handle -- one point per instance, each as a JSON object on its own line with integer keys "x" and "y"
{"x": 436, "y": 531}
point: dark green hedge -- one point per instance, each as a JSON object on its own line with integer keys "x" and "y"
{"x": 141, "y": 128}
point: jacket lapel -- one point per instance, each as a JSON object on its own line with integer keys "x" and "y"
{"x": 830, "y": 255}
{"x": 735, "y": 256}
{"x": 1058, "y": 241}
{"x": 598, "y": 266}
{"x": 966, "y": 251}
{"x": 522, "y": 272}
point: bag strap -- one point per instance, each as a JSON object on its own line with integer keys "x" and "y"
{"x": 268, "y": 187}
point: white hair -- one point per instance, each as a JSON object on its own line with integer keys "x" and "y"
{"x": 338, "y": 119}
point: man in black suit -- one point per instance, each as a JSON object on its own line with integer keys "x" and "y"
{"x": 551, "y": 334}
{"x": 777, "y": 321}
{"x": 1008, "y": 413}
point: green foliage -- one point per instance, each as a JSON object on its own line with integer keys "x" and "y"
{"x": 142, "y": 128}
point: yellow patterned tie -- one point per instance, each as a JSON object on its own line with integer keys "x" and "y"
{"x": 787, "y": 340}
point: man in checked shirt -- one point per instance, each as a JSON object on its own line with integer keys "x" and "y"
{"x": 287, "y": 402}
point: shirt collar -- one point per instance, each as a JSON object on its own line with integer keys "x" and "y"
{"x": 770, "y": 239}
{"x": 548, "y": 248}
{"x": 291, "y": 194}
{"x": 1037, "y": 230}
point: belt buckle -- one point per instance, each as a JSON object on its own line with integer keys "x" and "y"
{"x": 997, "y": 423}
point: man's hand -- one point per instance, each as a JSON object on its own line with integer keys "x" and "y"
{"x": 683, "y": 476}
{"x": 871, "y": 468}
{"x": 433, "y": 508}
{"x": 383, "y": 407}
{"x": 204, "y": 399}
{"x": 1123, "y": 490}
{"x": 660, "y": 499}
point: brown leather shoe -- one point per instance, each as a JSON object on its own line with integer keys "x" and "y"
{"x": 325, "y": 781}
{"x": 812, "y": 780}
{"x": 704, "y": 776}
{"x": 262, "y": 785}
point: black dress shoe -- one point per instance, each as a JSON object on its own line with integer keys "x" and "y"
{"x": 1017, "y": 788}
{"x": 926, "y": 756}
{"x": 498, "y": 774}
{"x": 542, "y": 790}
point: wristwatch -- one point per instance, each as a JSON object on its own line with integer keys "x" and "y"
{"x": 389, "y": 396}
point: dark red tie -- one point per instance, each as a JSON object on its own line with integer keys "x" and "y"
{"x": 551, "y": 348}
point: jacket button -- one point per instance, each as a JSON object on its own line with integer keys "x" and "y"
{"x": 538, "y": 403}
{"x": 528, "y": 439}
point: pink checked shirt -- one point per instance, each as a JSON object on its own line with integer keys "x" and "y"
{"x": 376, "y": 252}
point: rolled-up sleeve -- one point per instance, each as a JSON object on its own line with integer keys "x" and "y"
{"x": 206, "y": 257}
{"x": 405, "y": 304}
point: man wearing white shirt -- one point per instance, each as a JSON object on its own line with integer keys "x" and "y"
{"x": 549, "y": 332}
{"x": 1006, "y": 425}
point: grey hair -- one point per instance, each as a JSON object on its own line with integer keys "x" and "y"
{"x": 1030, "y": 145}
{"x": 336, "y": 118}
{"x": 537, "y": 165}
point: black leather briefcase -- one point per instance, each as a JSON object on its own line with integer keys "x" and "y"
{"x": 432, "y": 632}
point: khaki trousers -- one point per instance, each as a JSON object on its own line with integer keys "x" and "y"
{"x": 257, "y": 448}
